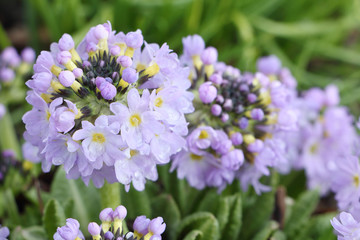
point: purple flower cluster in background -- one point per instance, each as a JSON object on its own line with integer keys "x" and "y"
{"x": 238, "y": 120}
{"x": 111, "y": 108}
{"x": 4, "y": 233}
{"x": 11, "y": 63}
{"x": 111, "y": 227}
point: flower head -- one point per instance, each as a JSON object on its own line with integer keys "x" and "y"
{"x": 95, "y": 103}
{"x": 236, "y": 119}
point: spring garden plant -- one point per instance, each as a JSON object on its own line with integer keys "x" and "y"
{"x": 116, "y": 109}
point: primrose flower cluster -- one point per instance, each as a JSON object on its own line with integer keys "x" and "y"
{"x": 11, "y": 63}
{"x": 111, "y": 108}
{"x": 327, "y": 136}
{"x": 237, "y": 118}
{"x": 111, "y": 227}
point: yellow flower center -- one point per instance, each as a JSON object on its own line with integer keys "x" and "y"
{"x": 314, "y": 148}
{"x": 158, "y": 102}
{"x": 135, "y": 120}
{"x": 98, "y": 137}
{"x": 133, "y": 152}
{"x": 48, "y": 115}
{"x": 195, "y": 157}
{"x": 203, "y": 134}
{"x": 356, "y": 180}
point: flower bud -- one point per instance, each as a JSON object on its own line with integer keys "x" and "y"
{"x": 233, "y": 159}
{"x": 257, "y": 114}
{"x": 100, "y": 32}
{"x": 94, "y": 229}
{"x": 207, "y": 92}
{"x": 251, "y": 98}
{"x": 224, "y": 117}
{"x": 236, "y": 138}
{"x": 28, "y": 55}
{"x": 216, "y": 110}
{"x": 10, "y": 56}
{"x": 115, "y": 50}
{"x": 124, "y": 61}
{"x": 134, "y": 39}
{"x": 99, "y": 81}
{"x": 243, "y": 123}
{"x": 120, "y": 212}
{"x": 129, "y": 75}
{"x": 228, "y": 104}
{"x": 256, "y": 146}
{"x": 108, "y": 91}
{"x": 157, "y": 226}
{"x": 7, "y": 74}
{"x": 66, "y": 78}
{"x": 216, "y": 78}
{"x": 63, "y": 57}
{"x": 78, "y": 72}
{"x": 209, "y": 56}
{"x": 269, "y": 65}
{"x": 141, "y": 224}
{"x": 66, "y": 42}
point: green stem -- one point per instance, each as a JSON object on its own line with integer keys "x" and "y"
{"x": 111, "y": 198}
{"x": 8, "y": 138}
{"x": 110, "y": 195}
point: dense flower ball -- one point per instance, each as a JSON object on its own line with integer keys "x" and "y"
{"x": 111, "y": 227}
{"x": 236, "y": 123}
{"x": 109, "y": 109}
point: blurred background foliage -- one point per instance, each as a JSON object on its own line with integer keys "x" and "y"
{"x": 317, "y": 40}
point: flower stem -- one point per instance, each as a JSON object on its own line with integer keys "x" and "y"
{"x": 8, "y": 138}
{"x": 110, "y": 195}
{"x": 111, "y": 198}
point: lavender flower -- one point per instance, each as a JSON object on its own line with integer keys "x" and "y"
{"x": 107, "y": 109}
{"x": 4, "y": 233}
{"x": 111, "y": 227}
{"x": 346, "y": 227}
{"x": 237, "y": 120}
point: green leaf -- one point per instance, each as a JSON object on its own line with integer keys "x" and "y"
{"x": 204, "y": 222}
{"x": 194, "y": 235}
{"x": 233, "y": 226}
{"x": 11, "y": 207}
{"x": 31, "y": 233}
{"x": 265, "y": 232}
{"x": 165, "y": 206}
{"x": 86, "y": 199}
{"x": 278, "y": 235}
{"x": 301, "y": 212}
{"x": 257, "y": 214}
{"x": 53, "y": 218}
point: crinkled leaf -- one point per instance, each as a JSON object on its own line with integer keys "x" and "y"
{"x": 86, "y": 198}
{"x": 165, "y": 206}
{"x": 301, "y": 212}
{"x": 266, "y": 231}
{"x": 278, "y": 235}
{"x": 201, "y": 221}
{"x": 257, "y": 214}
{"x": 194, "y": 235}
{"x": 53, "y": 218}
{"x": 31, "y": 233}
{"x": 232, "y": 228}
